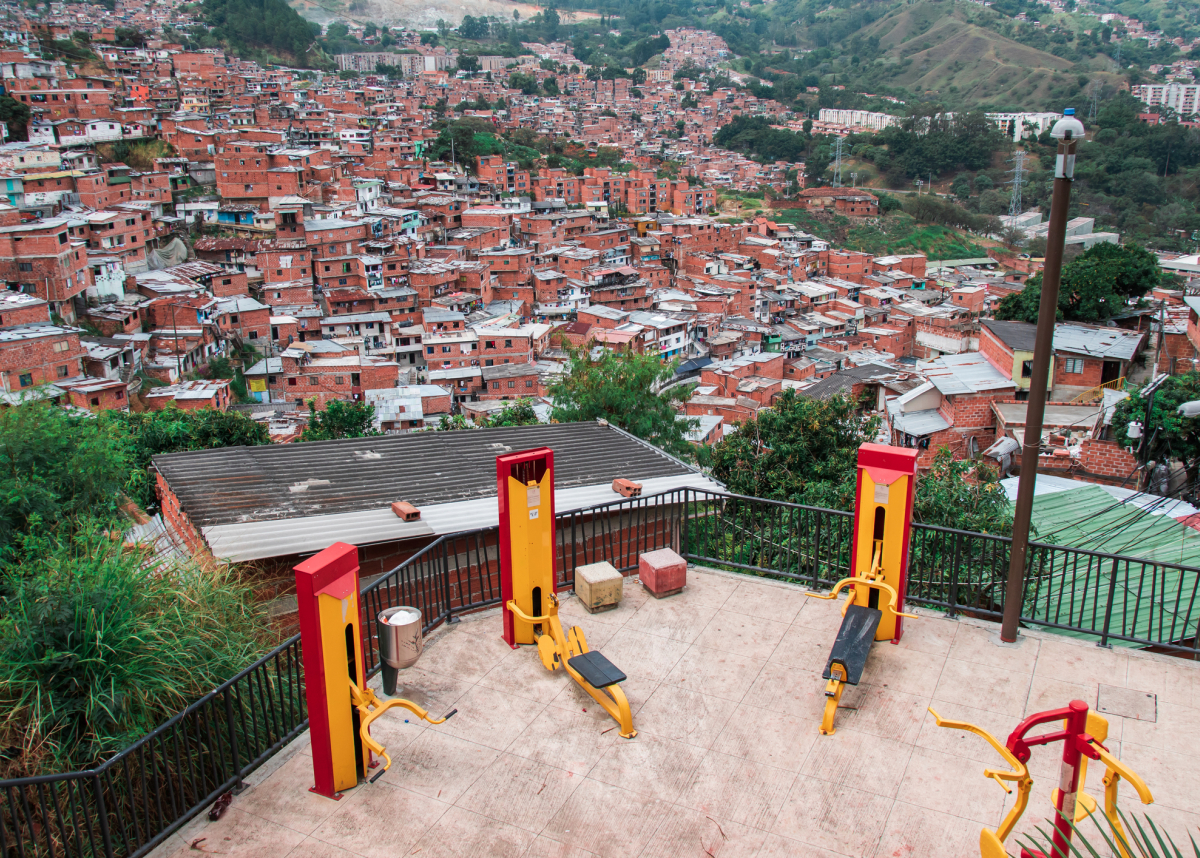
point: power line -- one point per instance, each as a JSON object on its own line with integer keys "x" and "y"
{"x": 837, "y": 163}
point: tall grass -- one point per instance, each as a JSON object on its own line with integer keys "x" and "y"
{"x": 98, "y": 646}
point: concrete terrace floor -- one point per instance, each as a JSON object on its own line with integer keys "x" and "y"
{"x": 726, "y": 693}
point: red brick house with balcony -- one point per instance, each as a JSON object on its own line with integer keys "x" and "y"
{"x": 42, "y": 259}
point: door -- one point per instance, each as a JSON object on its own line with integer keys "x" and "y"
{"x": 1111, "y": 371}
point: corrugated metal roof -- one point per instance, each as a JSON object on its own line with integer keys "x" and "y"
{"x": 965, "y": 373}
{"x": 240, "y": 542}
{"x": 1089, "y": 517}
{"x": 1112, "y": 343}
{"x": 270, "y": 483}
{"x": 919, "y": 422}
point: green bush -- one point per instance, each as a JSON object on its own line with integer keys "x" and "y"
{"x": 97, "y": 647}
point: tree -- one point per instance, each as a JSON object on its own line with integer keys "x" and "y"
{"x": 430, "y": 39}
{"x": 339, "y": 420}
{"x": 56, "y": 470}
{"x": 473, "y": 28}
{"x": 468, "y": 62}
{"x": 550, "y": 85}
{"x": 519, "y": 413}
{"x": 638, "y": 76}
{"x": 15, "y": 115}
{"x": 1169, "y": 435}
{"x": 622, "y": 387}
{"x": 805, "y": 450}
{"x": 146, "y": 434}
{"x": 1096, "y": 285}
{"x": 550, "y": 22}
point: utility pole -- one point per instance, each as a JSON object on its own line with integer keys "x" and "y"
{"x": 1018, "y": 171}
{"x": 837, "y": 163}
{"x": 1067, "y": 131}
{"x": 178, "y": 356}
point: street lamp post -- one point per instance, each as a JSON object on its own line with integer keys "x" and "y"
{"x": 1067, "y": 130}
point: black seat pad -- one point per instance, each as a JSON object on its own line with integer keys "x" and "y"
{"x": 853, "y": 642}
{"x": 597, "y": 670}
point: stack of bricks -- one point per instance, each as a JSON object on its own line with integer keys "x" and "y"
{"x": 662, "y": 572}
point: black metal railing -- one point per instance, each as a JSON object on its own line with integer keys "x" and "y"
{"x": 132, "y": 802}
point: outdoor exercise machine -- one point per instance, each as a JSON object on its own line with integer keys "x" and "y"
{"x": 528, "y": 587}
{"x": 1083, "y": 737}
{"x": 874, "y": 608}
{"x": 341, "y": 708}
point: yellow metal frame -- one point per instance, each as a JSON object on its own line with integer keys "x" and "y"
{"x": 364, "y": 699}
{"x": 872, "y": 579}
{"x": 991, "y": 843}
{"x": 556, "y": 648}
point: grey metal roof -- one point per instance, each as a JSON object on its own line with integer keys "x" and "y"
{"x": 1112, "y": 343}
{"x": 964, "y": 373}
{"x": 274, "y": 482}
{"x": 920, "y": 422}
{"x": 1018, "y": 336}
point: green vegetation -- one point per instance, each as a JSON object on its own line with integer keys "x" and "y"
{"x": 143, "y": 435}
{"x": 339, "y": 420}
{"x": 251, "y": 26}
{"x": 97, "y": 645}
{"x": 805, "y": 450}
{"x": 1173, "y": 436}
{"x": 519, "y": 413}
{"x": 620, "y": 387}
{"x": 1096, "y": 285}
{"x": 1140, "y": 838}
{"x": 139, "y": 154}
{"x": 15, "y": 115}
{"x": 899, "y": 232}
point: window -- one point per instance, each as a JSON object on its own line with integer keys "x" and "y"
{"x": 489, "y": 344}
{"x": 26, "y": 379}
{"x": 1073, "y": 365}
{"x": 495, "y": 385}
{"x": 429, "y": 350}
{"x": 24, "y": 266}
{"x": 1027, "y": 369}
{"x": 339, "y": 379}
{"x": 529, "y": 383}
{"x": 512, "y": 384}
{"x": 62, "y": 346}
{"x": 508, "y": 344}
{"x": 291, "y": 382}
{"x": 63, "y": 370}
{"x": 312, "y": 381}
{"x": 120, "y": 394}
{"x": 445, "y": 350}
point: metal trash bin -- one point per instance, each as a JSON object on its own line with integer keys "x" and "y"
{"x": 400, "y": 638}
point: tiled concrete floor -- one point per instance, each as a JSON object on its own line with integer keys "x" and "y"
{"x": 725, "y": 688}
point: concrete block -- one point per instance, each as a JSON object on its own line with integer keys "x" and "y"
{"x": 598, "y": 586}
{"x": 663, "y": 572}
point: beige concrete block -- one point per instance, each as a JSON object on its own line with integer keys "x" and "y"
{"x": 598, "y": 586}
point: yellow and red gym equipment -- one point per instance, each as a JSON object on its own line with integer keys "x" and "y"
{"x": 1083, "y": 735}
{"x": 874, "y": 608}
{"x": 528, "y": 587}
{"x": 341, "y": 707}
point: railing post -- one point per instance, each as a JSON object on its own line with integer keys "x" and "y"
{"x": 233, "y": 741}
{"x": 1108, "y": 608}
{"x": 450, "y": 618}
{"x": 102, "y": 812}
{"x": 683, "y": 520}
{"x": 953, "y": 610}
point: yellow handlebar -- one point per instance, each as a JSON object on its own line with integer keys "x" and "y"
{"x": 364, "y": 698}
{"x": 1019, "y": 775}
{"x": 893, "y": 596}
{"x": 524, "y": 617}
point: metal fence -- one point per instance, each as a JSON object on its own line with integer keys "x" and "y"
{"x": 131, "y": 803}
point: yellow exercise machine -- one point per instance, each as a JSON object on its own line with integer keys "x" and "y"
{"x": 364, "y": 699}
{"x": 525, "y": 492}
{"x": 879, "y": 552}
{"x": 339, "y": 702}
{"x": 1083, "y": 737}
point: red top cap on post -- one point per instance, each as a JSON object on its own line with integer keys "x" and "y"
{"x": 326, "y": 571}
{"x": 887, "y": 464}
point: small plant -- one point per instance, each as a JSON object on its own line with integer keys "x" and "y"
{"x": 1130, "y": 839}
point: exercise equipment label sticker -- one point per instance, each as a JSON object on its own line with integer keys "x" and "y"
{"x": 881, "y": 493}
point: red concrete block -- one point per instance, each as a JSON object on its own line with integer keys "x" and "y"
{"x": 662, "y": 572}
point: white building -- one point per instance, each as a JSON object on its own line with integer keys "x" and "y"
{"x": 857, "y": 118}
{"x": 1021, "y": 125}
{"x": 1183, "y": 98}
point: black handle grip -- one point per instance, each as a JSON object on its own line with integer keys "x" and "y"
{"x": 449, "y": 714}
{"x": 378, "y": 775}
